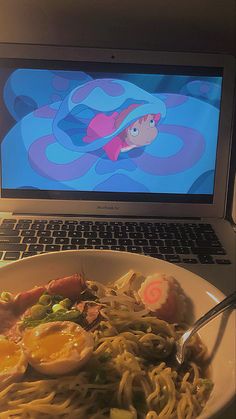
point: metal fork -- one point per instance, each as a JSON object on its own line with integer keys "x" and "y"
{"x": 228, "y": 302}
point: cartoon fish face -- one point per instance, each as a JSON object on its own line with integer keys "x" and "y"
{"x": 142, "y": 132}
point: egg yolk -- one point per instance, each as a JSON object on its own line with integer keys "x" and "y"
{"x": 10, "y": 355}
{"x": 53, "y": 344}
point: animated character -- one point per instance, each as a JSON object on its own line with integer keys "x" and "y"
{"x": 141, "y": 132}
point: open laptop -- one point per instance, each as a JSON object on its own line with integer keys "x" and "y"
{"x": 123, "y": 150}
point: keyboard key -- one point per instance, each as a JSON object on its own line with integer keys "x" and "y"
{"x": 215, "y": 243}
{"x": 106, "y": 235}
{"x": 118, "y": 248}
{"x": 151, "y": 236}
{"x": 165, "y": 236}
{"x": 27, "y": 254}
{"x": 128, "y": 228}
{"x": 211, "y": 236}
{"x": 157, "y": 230}
{"x": 136, "y": 235}
{"x": 101, "y": 223}
{"x": 55, "y": 222}
{"x": 223, "y": 261}
{"x": 83, "y": 227}
{"x": 110, "y": 242}
{"x": 22, "y": 226}
{"x": 69, "y": 247}
{"x": 134, "y": 249}
{"x": 71, "y": 222}
{"x": 166, "y": 250}
{"x": 113, "y": 229}
{"x": 173, "y": 258}
{"x": 12, "y": 256}
{"x": 205, "y": 226}
{"x": 116, "y": 223}
{"x": 8, "y": 226}
{"x": 187, "y": 243}
{"x": 75, "y": 234}
{"x": 141, "y": 242}
{"x": 90, "y": 234}
{"x": 36, "y": 248}
{"x": 172, "y": 242}
{"x": 219, "y": 251}
{"x": 13, "y": 247}
{"x": 131, "y": 223}
{"x": 150, "y": 249}
{"x": 156, "y": 243}
{"x": 182, "y": 250}
{"x": 29, "y": 240}
{"x": 9, "y": 232}
{"x": 45, "y": 240}
{"x": 208, "y": 250}
{"x": 52, "y": 247}
{"x": 86, "y": 223}
{"x": 146, "y": 224}
{"x": 78, "y": 241}
{"x": 68, "y": 227}
{"x": 208, "y": 243}
{"x": 140, "y": 229}
{"x": 11, "y": 239}
{"x": 206, "y": 259}
{"x": 120, "y": 235}
{"x": 158, "y": 225}
{"x": 62, "y": 240}
{"x": 40, "y": 221}
{"x": 125, "y": 242}
{"x": 37, "y": 226}
{"x": 43, "y": 233}
{"x": 95, "y": 242}
{"x": 97, "y": 228}
{"x": 102, "y": 247}
{"x": 53, "y": 227}
{"x": 27, "y": 233}
{"x": 59, "y": 234}
{"x": 190, "y": 260}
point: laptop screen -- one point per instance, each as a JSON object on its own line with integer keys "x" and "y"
{"x": 109, "y": 131}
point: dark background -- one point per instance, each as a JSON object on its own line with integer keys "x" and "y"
{"x": 174, "y": 25}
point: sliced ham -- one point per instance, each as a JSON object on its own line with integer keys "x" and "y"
{"x": 68, "y": 287}
{"x": 7, "y": 317}
{"x": 26, "y": 299}
{"x": 91, "y": 312}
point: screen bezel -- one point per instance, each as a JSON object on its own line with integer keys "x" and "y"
{"x": 145, "y": 207}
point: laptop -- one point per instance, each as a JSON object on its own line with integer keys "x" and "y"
{"x": 117, "y": 149}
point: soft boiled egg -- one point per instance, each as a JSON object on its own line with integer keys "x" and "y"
{"x": 57, "y": 348}
{"x": 13, "y": 362}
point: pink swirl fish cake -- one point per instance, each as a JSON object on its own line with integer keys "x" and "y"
{"x": 163, "y": 296}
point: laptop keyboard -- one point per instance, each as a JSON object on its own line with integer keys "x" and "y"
{"x": 174, "y": 242}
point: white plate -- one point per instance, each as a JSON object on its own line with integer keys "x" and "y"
{"x": 218, "y": 335}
